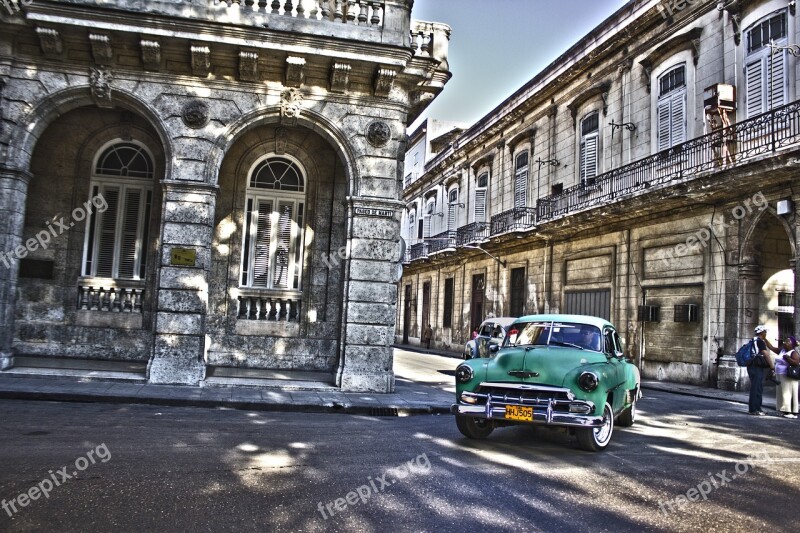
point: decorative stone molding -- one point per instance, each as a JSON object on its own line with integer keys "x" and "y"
{"x": 151, "y": 54}
{"x": 378, "y": 133}
{"x": 340, "y": 77}
{"x": 481, "y": 161}
{"x": 101, "y": 48}
{"x": 528, "y": 134}
{"x": 600, "y": 89}
{"x": 248, "y": 66}
{"x": 100, "y": 80}
{"x": 384, "y": 80}
{"x": 281, "y": 137}
{"x": 291, "y": 105}
{"x": 294, "y": 71}
{"x": 195, "y": 114}
{"x": 685, "y": 41}
{"x": 50, "y": 41}
{"x": 201, "y": 60}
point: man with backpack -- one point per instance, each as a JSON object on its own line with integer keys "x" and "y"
{"x": 756, "y": 368}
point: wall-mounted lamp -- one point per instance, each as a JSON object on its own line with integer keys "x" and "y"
{"x": 630, "y": 126}
{"x": 551, "y": 162}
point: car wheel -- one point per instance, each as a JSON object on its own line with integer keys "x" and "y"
{"x": 596, "y": 439}
{"x": 628, "y": 416}
{"x": 474, "y": 428}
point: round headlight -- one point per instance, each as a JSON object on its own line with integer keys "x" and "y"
{"x": 464, "y": 373}
{"x": 588, "y": 381}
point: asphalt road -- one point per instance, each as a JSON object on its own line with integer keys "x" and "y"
{"x": 164, "y": 469}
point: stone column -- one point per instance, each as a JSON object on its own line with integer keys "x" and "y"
{"x": 729, "y": 375}
{"x": 13, "y": 195}
{"x": 370, "y": 296}
{"x": 182, "y": 286}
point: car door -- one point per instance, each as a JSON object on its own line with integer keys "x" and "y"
{"x": 616, "y": 367}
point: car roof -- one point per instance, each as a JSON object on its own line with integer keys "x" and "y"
{"x": 502, "y": 320}
{"x": 579, "y": 319}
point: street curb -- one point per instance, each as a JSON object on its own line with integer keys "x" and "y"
{"x": 692, "y": 393}
{"x": 418, "y": 349}
{"x": 333, "y": 407}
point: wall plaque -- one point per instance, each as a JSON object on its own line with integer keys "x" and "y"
{"x": 183, "y": 257}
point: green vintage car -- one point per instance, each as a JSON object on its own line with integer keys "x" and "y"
{"x": 556, "y": 370}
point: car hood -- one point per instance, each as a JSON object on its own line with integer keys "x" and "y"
{"x": 547, "y": 365}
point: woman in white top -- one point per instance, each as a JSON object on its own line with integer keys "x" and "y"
{"x": 787, "y": 389}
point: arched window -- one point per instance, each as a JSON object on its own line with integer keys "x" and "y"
{"x": 671, "y": 111}
{"x": 480, "y": 197}
{"x": 521, "y": 180}
{"x": 590, "y": 135}
{"x": 766, "y": 80}
{"x": 273, "y": 236}
{"x": 121, "y": 198}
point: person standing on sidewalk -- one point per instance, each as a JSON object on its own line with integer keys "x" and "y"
{"x": 786, "y": 391}
{"x": 755, "y": 370}
{"x": 427, "y": 336}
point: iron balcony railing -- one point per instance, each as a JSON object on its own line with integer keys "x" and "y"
{"x": 736, "y": 144}
{"x": 760, "y": 135}
{"x": 513, "y": 219}
{"x": 474, "y": 232}
{"x": 442, "y": 241}
{"x": 418, "y": 251}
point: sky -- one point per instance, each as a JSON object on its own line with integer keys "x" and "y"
{"x": 498, "y": 45}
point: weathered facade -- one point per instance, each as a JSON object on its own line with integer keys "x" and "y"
{"x": 198, "y": 187}
{"x": 614, "y": 184}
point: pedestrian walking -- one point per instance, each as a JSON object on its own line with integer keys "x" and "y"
{"x": 787, "y": 389}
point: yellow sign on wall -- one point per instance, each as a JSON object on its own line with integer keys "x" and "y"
{"x": 183, "y": 257}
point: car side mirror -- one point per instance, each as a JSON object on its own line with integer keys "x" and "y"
{"x": 494, "y": 348}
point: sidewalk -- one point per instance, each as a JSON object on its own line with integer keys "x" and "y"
{"x": 410, "y": 397}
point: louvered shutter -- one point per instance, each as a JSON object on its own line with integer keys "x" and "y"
{"x": 263, "y": 224}
{"x": 589, "y": 157}
{"x": 778, "y": 85}
{"x": 284, "y": 243}
{"x": 480, "y": 205}
{"x": 521, "y": 188}
{"x": 107, "y": 233}
{"x": 754, "y": 87}
{"x": 678, "y": 118}
{"x": 451, "y": 217}
{"x": 129, "y": 237}
{"x": 664, "y": 128}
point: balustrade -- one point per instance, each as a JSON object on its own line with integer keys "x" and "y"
{"x": 513, "y": 219}
{"x": 269, "y": 308}
{"x": 442, "y": 241}
{"x": 110, "y": 299}
{"x": 360, "y": 12}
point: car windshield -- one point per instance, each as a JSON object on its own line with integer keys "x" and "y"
{"x": 582, "y": 336}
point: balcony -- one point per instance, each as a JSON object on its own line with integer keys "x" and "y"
{"x": 519, "y": 218}
{"x": 442, "y": 241}
{"x": 762, "y": 135}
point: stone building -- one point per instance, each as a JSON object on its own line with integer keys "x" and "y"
{"x": 649, "y": 175}
{"x": 178, "y": 179}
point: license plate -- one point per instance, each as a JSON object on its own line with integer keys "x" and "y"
{"x": 516, "y": 412}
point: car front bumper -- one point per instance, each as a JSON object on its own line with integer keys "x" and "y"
{"x": 558, "y": 407}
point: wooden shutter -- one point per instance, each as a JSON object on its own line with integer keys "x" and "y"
{"x": 754, "y": 87}
{"x": 284, "y": 244}
{"x": 107, "y": 233}
{"x": 129, "y": 237}
{"x": 678, "y": 118}
{"x": 451, "y": 217}
{"x": 263, "y": 224}
{"x": 521, "y": 188}
{"x": 589, "y": 156}
{"x": 778, "y": 85}
{"x": 664, "y": 124}
{"x": 480, "y": 205}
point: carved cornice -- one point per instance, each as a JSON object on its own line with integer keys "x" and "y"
{"x": 248, "y": 65}
{"x": 485, "y": 159}
{"x": 151, "y": 54}
{"x": 294, "y": 71}
{"x": 340, "y": 77}
{"x": 201, "y": 60}
{"x": 527, "y": 134}
{"x": 102, "y": 51}
{"x": 50, "y": 41}
{"x": 384, "y": 81}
